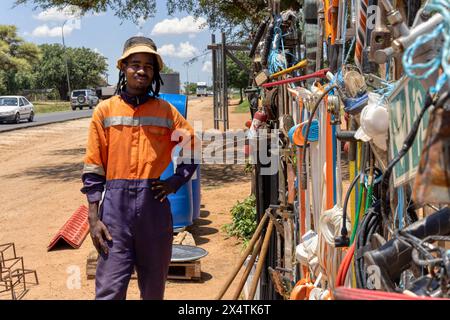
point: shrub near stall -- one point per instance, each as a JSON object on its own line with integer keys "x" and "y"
{"x": 244, "y": 220}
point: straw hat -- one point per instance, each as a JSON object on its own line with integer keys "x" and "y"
{"x": 139, "y": 45}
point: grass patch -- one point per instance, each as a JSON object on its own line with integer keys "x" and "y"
{"x": 235, "y": 95}
{"x": 51, "y": 106}
{"x": 244, "y": 107}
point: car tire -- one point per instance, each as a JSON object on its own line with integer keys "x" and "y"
{"x": 74, "y": 108}
{"x": 31, "y": 118}
{"x": 17, "y": 118}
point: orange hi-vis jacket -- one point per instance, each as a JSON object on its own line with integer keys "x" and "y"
{"x": 133, "y": 143}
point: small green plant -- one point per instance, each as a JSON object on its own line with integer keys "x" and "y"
{"x": 243, "y": 223}
{"x": 248, "y": 169}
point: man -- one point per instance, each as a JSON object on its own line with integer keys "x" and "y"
{"x": 129, "y": 146}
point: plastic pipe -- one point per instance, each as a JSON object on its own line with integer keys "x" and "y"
{"x": 319, "y": 74}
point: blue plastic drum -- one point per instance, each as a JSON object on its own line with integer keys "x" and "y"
{"x": 179, "y": 101}
{"x": 196, "y": 194}
{"x": 181, "y": 203}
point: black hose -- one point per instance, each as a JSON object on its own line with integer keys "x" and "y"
{"x": 267, "y": 44}
{"x": 360, "y": 240}
{"x": 344, "y": 231}
{"x": 370, "y": 225}
{"x": 346, "y": 136}
{"x": 258, "y": 37}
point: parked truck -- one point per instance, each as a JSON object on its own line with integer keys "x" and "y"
{"x": 201, "y": 89}
{"x": 105, "y": 92}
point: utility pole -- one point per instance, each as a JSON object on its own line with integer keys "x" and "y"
{"x": 65, "y": 60}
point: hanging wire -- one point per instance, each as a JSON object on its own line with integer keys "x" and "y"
{"x": 275, "y": 63}
{"x": 442, "y": 58}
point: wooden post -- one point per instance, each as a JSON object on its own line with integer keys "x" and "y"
{"x": 262, "y": 258}
{"x": 243, "y": 257}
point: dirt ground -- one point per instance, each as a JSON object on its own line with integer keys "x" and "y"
{"x": 40, "y": 179}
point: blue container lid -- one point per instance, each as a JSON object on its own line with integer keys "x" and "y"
{"x": 179, "y": 101}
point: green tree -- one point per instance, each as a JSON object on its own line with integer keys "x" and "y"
{"x": 190, "y": 88}
{"x": 86, "y": 68}
{"x": 124, "y": 9}
{"x": 167, "y": 69}
{"x": 237, "y": 77}
{"x": 220, "y": 14}
{"x": 16, "y": 60}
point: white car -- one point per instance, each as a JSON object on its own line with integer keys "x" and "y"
{"x": 15, "y": 109}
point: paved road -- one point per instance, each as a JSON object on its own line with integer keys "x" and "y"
{"x": 46, "y": 118}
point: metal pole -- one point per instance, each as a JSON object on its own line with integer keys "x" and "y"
{"x": 65, "y": 59}
{"x": 215, "y": 88}
{"x": 225, "y": 87}
{"x": 219, "y": 87}
{"x": 187, "y": 74}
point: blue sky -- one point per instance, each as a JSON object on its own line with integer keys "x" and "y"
{"x": 178, "y": 37}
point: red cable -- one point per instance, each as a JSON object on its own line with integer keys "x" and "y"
{"x": 343, "y": 268}
{"x": 348, "y": 262}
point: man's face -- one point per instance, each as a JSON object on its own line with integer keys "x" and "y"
{"x": 138, "y": 69}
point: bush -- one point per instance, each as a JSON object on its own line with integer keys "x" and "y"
{"x": 243, "y": 220}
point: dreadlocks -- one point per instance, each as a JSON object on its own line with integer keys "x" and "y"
{"x": 157, "y": 81}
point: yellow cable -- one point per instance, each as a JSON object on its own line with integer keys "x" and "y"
{"x": 301, "y": 64}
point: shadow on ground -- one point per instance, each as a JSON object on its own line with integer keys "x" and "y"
{"x": 65, "y": 172}
{"x": 214, "y": 175}
{"x": 199, "y": 228}
{"x": 69, "y": 152}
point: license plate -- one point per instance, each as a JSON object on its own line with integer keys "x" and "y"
{"x": 405, "y": 104}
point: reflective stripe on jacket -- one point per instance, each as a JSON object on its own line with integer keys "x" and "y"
{"x": 127, "y": 142}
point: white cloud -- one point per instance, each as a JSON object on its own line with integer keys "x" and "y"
{"x": 99, "y": 52}
{"x": 178, "y": 26}
{"x": 46, "y": 31}
{"x": 69, "y": 16}
{"x": 56, "y": 14}
{"x": 184, "y": 50}
{"x": 207, "y": 66}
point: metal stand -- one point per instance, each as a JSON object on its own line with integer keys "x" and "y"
{"x": 13, "y": 273}
{"x": 220, "y": 51}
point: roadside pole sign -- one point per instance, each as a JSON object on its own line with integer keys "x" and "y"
{"x": 405, "y": 104}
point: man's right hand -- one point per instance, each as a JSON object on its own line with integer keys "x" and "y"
{"x": 99, "y": 232}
